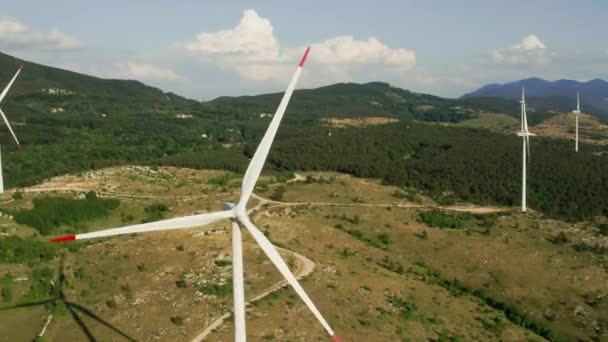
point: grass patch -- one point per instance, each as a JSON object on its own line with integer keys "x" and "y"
{"x": 17, "y": 250}
{"x": 217, "y": 290}
{"x": 512, "y": 312}
{"x": 155, "y": 212}
{"x": 222, "y": 180}
{"x": 439, "y": 219}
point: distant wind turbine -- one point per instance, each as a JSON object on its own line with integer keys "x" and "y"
{"x": 577, "y": 111}
{"x": 237, "y": 214}
{"x": 525, "y": 134}
{"x": 2, "y": 95}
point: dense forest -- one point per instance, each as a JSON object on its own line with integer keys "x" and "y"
{"x": 98, "y": 123}
{"x": 464, "y": 164}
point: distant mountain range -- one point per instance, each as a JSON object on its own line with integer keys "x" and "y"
{"x": 90, "y": 96}
{"x": 560, "y": 95}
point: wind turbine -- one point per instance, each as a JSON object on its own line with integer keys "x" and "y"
{"x": 577, "y": 112}
{"x": 2, "y": 95}
{"x": 525, "y": 134}
{"x": 237, "y": 214}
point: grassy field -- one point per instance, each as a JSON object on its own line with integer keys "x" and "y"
{"x": 591, "y": 129}
{"x": 389, "y": 265}
{"x": 494, "y": 121}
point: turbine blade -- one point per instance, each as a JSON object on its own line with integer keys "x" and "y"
{"x": 257, "y": 162}
{"x": 278, "y": 262}
{"x": 9, "y": 127}
{"x": 238, "y": 285}
{"x": 5, "y": 91}
{"x": 174, "y": 223}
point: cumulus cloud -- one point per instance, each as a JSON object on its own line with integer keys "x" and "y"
{"x": 129, "y": 70}
{"x": 530, "y": 50}
{"x": 147, "y": 71}
{"x": 252, "y": 50}
{"x": 252, "y": 38}
{"x": 15, "y": 35}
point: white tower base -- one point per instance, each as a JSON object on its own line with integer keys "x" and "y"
{"x": 523, "y": 182}
{"x": 576, "y": 143}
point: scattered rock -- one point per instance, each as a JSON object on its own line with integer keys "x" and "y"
{"x": 550, "y": 314}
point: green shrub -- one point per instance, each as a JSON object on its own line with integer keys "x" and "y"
{"x": 41, "y": 285}
{"x": 17, "y": 250}
{"x": 51, "y": 212}
{"x": 223, "y": 263}
{"x": 216, "y": 289}
{"x": 278, "y": 193}
{"x": 384, "y": 238}
{"x": 177, "y": 320}
{"x": 222, "y": 180}
{"x": 155, "y": 212}
{"x": 558, "y": 239}
{"x": 439, "y": 219}
{"x": 6, "y": 292}
{"x": 181, "y": 283}
{"x": 407, "y": 309}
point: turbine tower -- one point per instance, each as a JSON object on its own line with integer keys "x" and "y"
{"x": 239, "y": 218}
{"x": 577, "y": 112}
{"x": 2, "y": 95}
{"x": 525, "y": 134}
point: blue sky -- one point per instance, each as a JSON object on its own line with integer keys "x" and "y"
{"x": 204, "y": 49}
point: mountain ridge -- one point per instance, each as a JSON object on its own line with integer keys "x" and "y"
{"x": 593, "y": 93}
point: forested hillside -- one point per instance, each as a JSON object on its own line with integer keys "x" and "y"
{"x": 457, "y": 164}
{"x": 92, "y": 123}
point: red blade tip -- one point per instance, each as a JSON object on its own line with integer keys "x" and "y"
{"x": 19, "y": 146}
{"x": 303, "y": 60}
{"x": 63, "y": 238}
{"x": 335, "y": 338}
{"x": 21, "y": 67}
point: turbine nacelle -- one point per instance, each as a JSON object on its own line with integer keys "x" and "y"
{"x": 525, "y": 134}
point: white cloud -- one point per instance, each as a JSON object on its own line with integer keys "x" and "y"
{"x": 16, "y": 36}
{"x": 252, "y": 50}
{"x": 252, "y": 38}
{"x": 147, "y": 71}
{"x": 129, "y": 70}
{"x": 531, "y": 50}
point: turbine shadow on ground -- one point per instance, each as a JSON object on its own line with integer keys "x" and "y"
{"x": 73, "y": 308}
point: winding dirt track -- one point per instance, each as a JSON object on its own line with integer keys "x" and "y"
{"x": 305, "y": 266}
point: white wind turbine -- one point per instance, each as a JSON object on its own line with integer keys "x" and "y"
{"x": 525, "y": 134}
{"x": 2, "y": 95}
{"x": 577, "y": 112}
{"x": 237, "y": 214}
